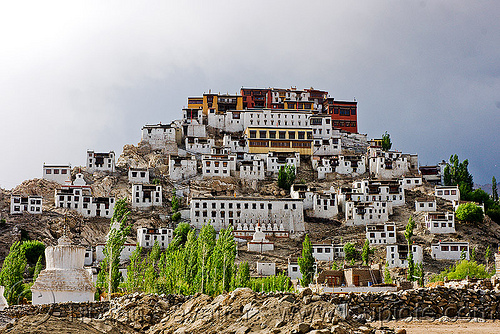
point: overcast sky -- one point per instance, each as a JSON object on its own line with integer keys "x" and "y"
{"x": 78, "y": 75}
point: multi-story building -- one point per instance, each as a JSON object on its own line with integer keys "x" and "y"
{"x": 303, "y": 192}
{"x": 218, "y": 163}
{"x": 340, "y": 164}
{"x": 258, "y": 98}
{"x": 276, "y": 160}
{"x": 57, "y": 173}
{"x": 29, "y": 204}
{"x": 138, "y": 175}
{"x": 267, "y": 139}
{"x": 343, "y": 113}
{"x": 391, "y": 164}
{"x": 450, "y": 250}
{"x": 80, "y": 199}
{"x": 104, "y": 162}
{"x": 327, "y": 251}
{"x": 216, "y": 103}
{"x": 146, "y": 196}
{"x": 381, "y": 190}
{"x": 252, "y": 169}
{"x": 325, "y": 205}
{"x": 449, "y": 193}
{"x": 196, "y": 145}
{"x": 397, "y": 255}
{"x": 222, "y": 212}
{"x": 381, "y": 233}
{"x": 363, "y": 213}
{"x": 146, "y": 237}
{"x": 440, "y": 222}
{"x": 159, "y": 136}
{"x": 180, "y": 168}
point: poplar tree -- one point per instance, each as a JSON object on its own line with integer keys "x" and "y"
{"x": 408, "y": 235}
{"x": 135, "y": 271}
{"x": 11, "y": 276}
{"x": 243, "y": 275}
{"x": 494, "y": 191}
{"x": 206, "y": 244}
{"x": 306, "y": 263}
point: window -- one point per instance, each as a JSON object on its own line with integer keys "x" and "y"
{"x": 327, "y": 250}
{"x": 48, "y": 171}
{"x": 291, "y": 134}
{"x": 282, "y": 134}
{"x": 56, "y": 171}
{"x": 294, "y": 268}
{"x": 302, "y": 135}
{"x": 253, "y": 134}
{"x": 262, "y": 134}
{"x": 319, "y": 250}
{"x": 454, "y": 248}
{"x": 272, "y": 134}
{"x": 64, "y": 171}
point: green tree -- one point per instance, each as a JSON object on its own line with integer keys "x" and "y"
{"x": 350, "y": 251}
{"x": 386, "y": 142}
{"x": 11, "y": 276}
{"x": 365, "y": 253}
{"x": 306, "y": 263}
{"x": 119, "y": 230}
{"x": 470, "y": 213}
{"x": 419, "y": 273}
{"x": 494, "y": 191}
{"x": 408, "y": 235}
{"x": 206, "y": 244}
{"x": 222, "y": 262}
{"x": 457, "y": 173}
{"x": 487, "y": 256}
{"x": 243, "y": 275}
{"x": 191, "y": 258}
{"x": 33, "y": 249}
{"x": 473, "y": 254}
{"x": 461, "y": 270}
{"x": 38, "y": 267}
{"x": 181, "y": 234}
{"x": 135, "y": 271}
{"x": 387, "y": 274}
{"x": 286, "y": 176}
{"x": 463, "y": 256}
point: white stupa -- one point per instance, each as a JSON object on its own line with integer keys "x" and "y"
{"x": 3, "y": 301}
{"x": 64, "y": 279}
{"x": 259, "y": 242}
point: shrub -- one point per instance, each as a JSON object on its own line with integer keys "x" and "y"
{"x": 470, "y": 212}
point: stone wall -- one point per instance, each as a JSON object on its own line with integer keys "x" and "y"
{"x": 74, "y": 310}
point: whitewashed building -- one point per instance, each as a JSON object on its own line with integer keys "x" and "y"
{"x": 64, "y": 279}
{"x": 29, "y": 204}
{"x": 146, "y": 196}
{"x": 341, "y": 164}
{"x": 303, "y": 192}
{"x": 266, "y": 268}
{"x": 450, "y": 250}
{"x": 411, "y": 182}
{"x": 440, "y": 222}
{"x": 449, "y": 193}
{"x": 80, "y": 199}
{"x": 381, "y": 190}
{"x": 378, "y": 234}
{"x": 390, "y": 164}
{"x": 218, "y": 164}
{"x": 160, "y": 135}
{"x": 294, "y": 269}
{"x": 327, "y": 146}
{"x": 252, "y": 169}
{"x": 425, "y": 205}
{"x": 276, "y": 160}
{"x": 321, "y": 125}
{"x": 235, "y": 144}
{"x": 397, "y": 255}
{"x": 363, "y": 213}
{"x": 325, "y": 205}
{"x": 225, "y": 211}
{"x": 199, "y": 145}
{"x": 138, "y": 175}
{"x": 104, "y": 162}
{"x": 323, "y": 251}
{"x": 57, "y": 173}
{"x": 127, "y": 251}
{"x": 181, "y": 168}
{"x": 146, "y": 237}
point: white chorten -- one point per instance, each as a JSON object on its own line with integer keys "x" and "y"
{"x": 64, "y": 279}
{"x": 3, "y": 301}
{"x": 259, "y": 242}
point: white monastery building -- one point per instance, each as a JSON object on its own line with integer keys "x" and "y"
{"x": 449, "y": 193}
{"x": 449, "y": 250}
{"x": 57, "y": 173}
{"x": 440, "y": 222}
{"x": 138, "y": 175}
{"x": 29, "y": 204}
{"x": 397, "y": 255}
{"x": 146, "y": 196}
{"x": 160, "y": 135}
{"x": 79, "y": 199}
{"x": 425, "y": 205}
{"x": 180, "y": 168}
{"x": 381, "y": 233}
{"x": 104, "y": 162}
{"x": 146, "y": 237}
